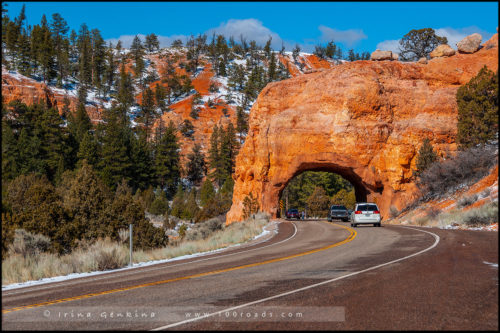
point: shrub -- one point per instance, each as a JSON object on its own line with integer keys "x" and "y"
{"x": 25, "y": 243}
{"x": 393, "y": 211}
{"x": 433, "y": 212}
{"x": 204, "y": 229}
{"x": 182, "y": 230}
{"x": 483, "y": 215}
{"x": 426, "y": 156}
{"x": 478, "y": 109}
{"x": 464, "y": 168}
{"x": 421, "y": 221}
{"x": 160, "y": 205}
{"x": 466, "y": 201}
{"x": 485, "y": 193}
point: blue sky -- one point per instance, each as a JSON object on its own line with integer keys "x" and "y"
{"x": 363, "y": 26}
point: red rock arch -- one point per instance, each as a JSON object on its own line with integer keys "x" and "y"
{"x": 364, "y": 120}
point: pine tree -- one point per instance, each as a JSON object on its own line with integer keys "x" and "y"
{"x": 59, "y": 30}
{"x": 191, "y": 208}
{"x": 142, "y": 160}
{"x": 115, "y": 162}
{"x": 320, "y": 51}
{"x": 196, "y": 168}
{"x": 351, "y": 56}
{"x": 167, "y": 159}
{"x": 79, "y": 123}
{"x": 53, "y": 146}
{"x": 85, "y": 55}
{"x": 241, "y": 123}
{"x": 88, "y": 150}
{"x": 178, "y": 202}
{"x": 98, "y": 58}
{"x": 296, "y": 53}
{"x": 151, "y": 42}
{"x": 215, "y": 157}
{"x": 227, "y": 189}
{"x": 207, "y": 192}
{"x": 125, "y": 94}
{"x": 271, "y": 76}
{"x": 136, "y": 50}
{"x": 10, "y": 168}
{"x": 230, "y": 145}
{"x": 160, "y": 95}
{"x": 46, "y": 49}
{"x": 23, "y": 48}
{"x": 147, "y": 111}
{"x": 109, "y": 70}
{"x": 426, "y": 156}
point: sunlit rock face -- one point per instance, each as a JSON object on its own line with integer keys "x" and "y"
{"x": 364, "y": 120}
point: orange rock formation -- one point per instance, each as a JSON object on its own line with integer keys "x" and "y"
{"x": 364, "y": 120}
{"x": 29, "y": 91}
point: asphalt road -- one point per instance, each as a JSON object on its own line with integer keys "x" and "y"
{"x": 311, "y": 275}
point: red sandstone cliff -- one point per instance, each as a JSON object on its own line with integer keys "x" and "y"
{"x": 364, "y": 120}
{"x": 29, "y": 91}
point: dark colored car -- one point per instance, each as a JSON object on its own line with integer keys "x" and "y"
{"x": 292, "y": 214}
{"x": 338, "y": 212}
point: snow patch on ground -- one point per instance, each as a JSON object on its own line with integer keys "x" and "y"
{"x": 491, "y": 264}
{"x": 491, "y": 227}
{"x": 270, "y": 227}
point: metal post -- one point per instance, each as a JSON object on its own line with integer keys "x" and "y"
{"x": 130, "y": 238}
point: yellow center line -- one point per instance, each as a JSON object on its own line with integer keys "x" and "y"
{"x": 351, "y": 236}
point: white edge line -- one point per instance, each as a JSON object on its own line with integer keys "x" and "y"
{"x": 129, "y": 271}
{"x": 307, "y": 287}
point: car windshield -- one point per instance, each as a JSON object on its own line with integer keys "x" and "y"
{"x": 370, "y": 208}
{"x": 293, "y": 211}
{"x": 338, "y": 208}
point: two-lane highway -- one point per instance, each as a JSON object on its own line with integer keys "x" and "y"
{"x": 310, "y": 275}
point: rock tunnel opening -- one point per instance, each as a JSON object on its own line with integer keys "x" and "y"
{"x": 321, "y": 186}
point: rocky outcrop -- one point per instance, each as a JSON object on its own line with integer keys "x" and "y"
{"x": 470, "y": 44}
{"x": 29, "y": 91}
{"x": 363, "y": 120}
{"x": 443, "y": 50}
{"x": 422, "y": 60}
{"x": 381, "y": 55}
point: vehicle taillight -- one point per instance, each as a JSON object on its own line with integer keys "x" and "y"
{"x": 376, "y": 212}
{"x": 357, "y": 212}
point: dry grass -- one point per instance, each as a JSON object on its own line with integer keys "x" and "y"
{"x": 233, "y": 234}
{"x": 105, "y": 254}
{"x": 480, "y": 216}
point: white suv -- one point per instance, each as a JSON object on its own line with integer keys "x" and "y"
{"x": 366, "y": 213}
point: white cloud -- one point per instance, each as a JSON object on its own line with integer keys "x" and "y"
{"x": 453, "y": 35}
{"x": 389, "y": 45}
{"x": 252, "y": 29}
{"x": 348, "y": 37}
